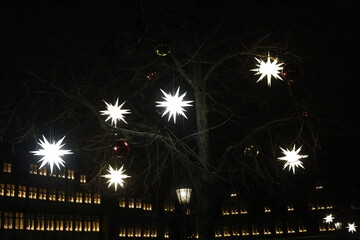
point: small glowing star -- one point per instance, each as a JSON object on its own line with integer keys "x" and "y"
{"x": 174, "y": 104}
{"x": 351, "y": 227}
{"x": 329, "y": 218}
{"x": 116, "y": 176}
{"x": 51, "y": 153}
{"x": 115, "y": 112}
{"x": 268, "y": 69}
{"x": 292, "y": 158}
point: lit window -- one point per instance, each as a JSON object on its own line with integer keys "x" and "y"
{"x": 30, "y": 222}
{"x": 167, "y": 232}
{"x": 138, "y": 203}
{"x": 254, "y": 229}
{"x": 234, "y": 210}
{"x": 8, "y": 220}
{"x": 61, "y": 173}
{"x": 226, "y": 231}
{"x": 32, "y": 192}
{"x": 78, "y": 198}
{"x": 10, "y": 190}
{"x": 42, "y": 193}
{"x": 2, "y": 189}
{"x": 243, "y": 211}
{"x": 52, "y": 195}
{"x": 302, "y": 228}
{"x": 78, "y": 224}
{"x": 153, "y": 232}
{"x": 21, "y": 191}
{"x": 218, "y": 232}
{"x": 70, "y": 174}
{"x": 244, "y": 230}
{"x": 267, "y": 230}
{"x": 33, "y": 169}
{"x": 7, "y": 167}
{"x": 278, "y": 228}
{"x": 97, "y": 199}
{"x": 290, "y": 228}
{"x": 267, "y": 209}
{"x": 68, "y": 223}
{"x": 317, "y": 187}
{"x": 83, "y": 178}
{"x": 130, "y": 231}
{"x": 169, "y": 207}
{"x": 70, "y": 197}
{"x": 290, "y": 208}
{"x": 87, "y": 224}
{"x": 147, "y": 206}
{"x": 236, "y": 230}
{"x": 59, "y": 223}
{"x": 122, "y": 232}
{"x": 131, "y": 203}
{"x": 122, "y": 202}
{"x": 95, "y": 224}
{"x": 233, "y": 195}
{"x": 61, "y": 196}
{"x": 87, "y": 197}
{"x": 137, "y": 231}
{"x": 43, "y": 171}
{"x": 225, "y": 211}
{"x": 40, "y": 222}
{"x": 50, "y": 225}
{"x": 146, "y": 232}
{"x": 322, "y": 227}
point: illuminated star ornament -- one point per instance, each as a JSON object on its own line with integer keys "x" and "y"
{"x": 51, "y": 153}
{"x": 292, "y": 158}
{"x": 174, "y": 104}
{"x": 115, "y": 112}
{"x": 116, "y": 176}
{"x": 268, "y": 68}
{"x": 329, "y": 218}
{"x": 351, "y": 227}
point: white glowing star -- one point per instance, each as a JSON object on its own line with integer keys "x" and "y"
{"x": 116, "y": 176}
{"x": 51, "y": 153}
{"x": 268, "y": 69}
{"x": 329, "y": 218}
{"x": 351, "y": 227}
{"x": 115, "y": 112}
{"x": 174, "y": 104}
{"x": 292, "y": 158}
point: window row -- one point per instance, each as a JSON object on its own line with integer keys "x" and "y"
{"x": 135, "y": 203}
{"x": 48, "y": 222}
{"x": 235, "y": 210}
{"x": 255, "y": 229}
{"x": 21, "y": 191}
{"x": 138, "y": 231}
{"x": 62, "y": 173}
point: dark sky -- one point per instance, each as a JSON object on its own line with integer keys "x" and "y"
{"x": 325, "y": 31}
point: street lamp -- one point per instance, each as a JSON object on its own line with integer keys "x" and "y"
{"x": 184, "y": 195}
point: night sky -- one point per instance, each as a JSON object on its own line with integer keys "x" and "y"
{"x": 43, "y": 35}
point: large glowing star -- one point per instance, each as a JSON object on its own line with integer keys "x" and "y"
{"x": 351, "y": 227}
{"x": 174, "y": 104}
{"x": 115, "y": 112}
{"x": 329, "y": 218}
{"x": 51, "y": 153}
{"x": 116, "y": 176}
{"x": 268, "y": 68}
{"x": 292, "y": 158}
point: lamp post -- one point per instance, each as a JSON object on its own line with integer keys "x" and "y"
{"x": 184, "y": 195}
